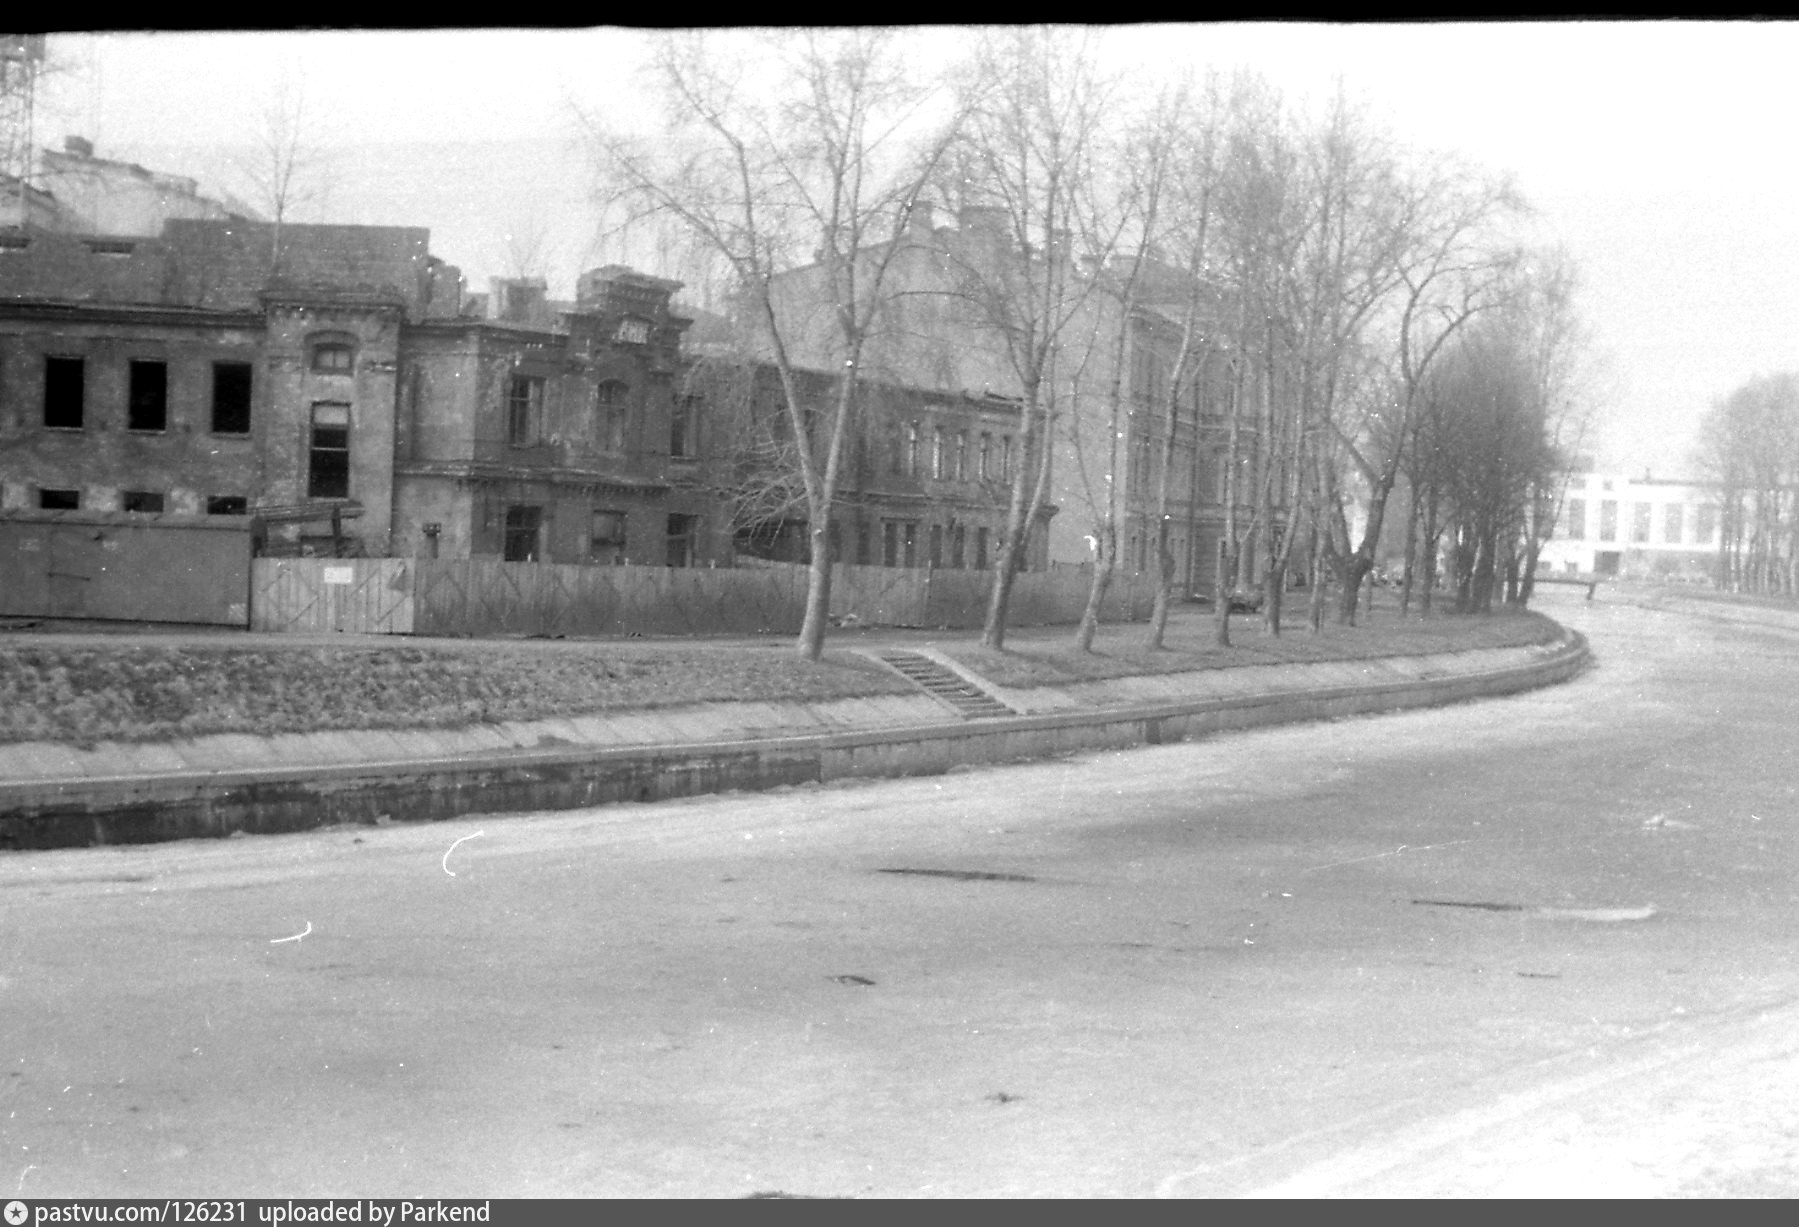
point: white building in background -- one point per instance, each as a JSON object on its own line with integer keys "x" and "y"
{"x": 1634, "y": 528}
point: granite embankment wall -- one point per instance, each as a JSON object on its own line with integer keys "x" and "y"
{"x": 76, "y": 809}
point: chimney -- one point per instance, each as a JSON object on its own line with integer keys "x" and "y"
{"x": 520, "y": 300}
{"x": 982, "y": 219}
{"x": 80, "y": 146}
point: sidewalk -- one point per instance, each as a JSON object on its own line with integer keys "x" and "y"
{"x": 54, "y": 795}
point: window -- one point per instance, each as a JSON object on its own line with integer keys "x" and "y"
{"x": 334, "y": 358}
{"x": 959, "y": 458}
{"x": 862, "y": 543}
{"x": 911, "y": 449}
{"x": 227, "y": 505}
{"x": 633, "y": 332}
{"x": 936, "y": 554}
{"x": 980, "y": 549}
{"x": 143, "y": 502}
{"x": 524, "y": 410}
{"x": 231, "y": 398}
{"x": 939, "y": 454}
{"x": 958, "y": 538}
{"x": 1608, "y": 520}
{"x": 1705, "y": 523}
{"x": 682, "y": 530}
{"x": 65, "y": 392}
{"x": 1673, "y": 516}
{"x": 609, "y": 415}
{"x": 59, "y": 500}
{"x": 986, "y": 456}
{"x": 1005, "y": 458}
{"x": 521, "y": 540}
{"x": 899, "y": 543}
{"x": 1575, "y": 520}
{"x": 607, "y": 540}
{"x": 1641, "y": 518}
{"x": 328, "y": 462}
{"x": 682, "y": 422}
{"x": 147, "y": 401}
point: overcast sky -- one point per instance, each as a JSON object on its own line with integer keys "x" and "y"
{"x": 1657, "y": 153}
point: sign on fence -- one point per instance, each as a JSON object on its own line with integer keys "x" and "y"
{"x": 368, "y": 596}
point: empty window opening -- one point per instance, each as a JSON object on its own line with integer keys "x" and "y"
{"x": 227, "y": 505}
{"x": 607, "y": 541}
{"x": 899, "y": 543}
{"x": 231, "y": 398}
{"x": 59, "y": 500}
{"x": 682, "y": 530}
{"x": 143, "y": 502}
{"x": 523, "y": 535}
{"x": 147, "y": 404}
{"x": 328, "y": 464}
{"x": 65, "y": 391}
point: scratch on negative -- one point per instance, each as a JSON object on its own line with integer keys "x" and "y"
{"x": 29, "y": 1168}
{"x": 276, "y": 941}
{"x": 1379, "y": 855}
{"x": 452, "y": 848}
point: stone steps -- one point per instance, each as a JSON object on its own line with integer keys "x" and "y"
{"x": 948, "y": 687}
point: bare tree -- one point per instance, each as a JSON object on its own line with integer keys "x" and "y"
{"x": 1185, "y": 129}
{"x": 526, "y": 248}
{"x": 1448, "y": 267}
{"x": 1749, "y": 454}
{"x": 1035, "y": 101}
{"x": 1563, "y": 387}
{"x": 285, "y": 170}
{"x": 824, "y": 158}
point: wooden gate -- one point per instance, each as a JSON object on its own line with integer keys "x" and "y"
{"x": 366, "y": 596}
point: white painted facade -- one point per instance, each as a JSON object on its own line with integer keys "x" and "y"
{"x": 1634, "y": 528}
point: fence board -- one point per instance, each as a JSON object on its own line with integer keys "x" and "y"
{"x": 489, "y": 597}
{"x": 369, "y": 596}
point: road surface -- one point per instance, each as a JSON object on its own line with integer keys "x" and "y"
{"x": 1537, "y": 945}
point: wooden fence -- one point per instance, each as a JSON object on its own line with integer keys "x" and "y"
{"x": 371, "y": 596}
{"x": 485, "y": 597}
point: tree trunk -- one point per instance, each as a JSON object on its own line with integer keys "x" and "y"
{"x": 1165, "y": 572}
{"x": 1103, "y": 568}
{"x": 1411, "y": 557}
{"x": 1315, "y": 599}
{"x": 818, "y": 594}
{"x": 1221, "y": 593}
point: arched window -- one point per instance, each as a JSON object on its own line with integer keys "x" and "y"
{"x": 334, "y": 354}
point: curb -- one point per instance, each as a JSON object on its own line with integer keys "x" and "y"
{"x": 272, "y": 800}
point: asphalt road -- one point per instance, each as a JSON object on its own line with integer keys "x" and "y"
{"x": 1537, "y": 945}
